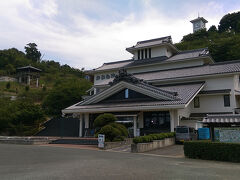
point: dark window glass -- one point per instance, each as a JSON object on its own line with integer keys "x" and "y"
{"x": 146, "y": 53}
{"x": 108, "y": 76}
{"x": 182, "y": 130}
{"x": 157, "y": 120}
{"x": 142, "y": 54}
{"x": 150, "y": 52}
{"x": 98, "y": 77}
{"x": 103, "y": 77}
{"x": 112, "y": 75}
{"x": 196, "y": 102}
{"x": 226, "y": 100}
{"x": 138, "y": 54}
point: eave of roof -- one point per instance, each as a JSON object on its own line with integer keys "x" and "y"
{"x": 199, "y": 18}
{"x": 152, "y": 61}
{"x": 29, "y": 67}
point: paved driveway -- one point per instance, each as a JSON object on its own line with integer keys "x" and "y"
{"x": 51, "y": 162}
{"x": 169, "y": 151}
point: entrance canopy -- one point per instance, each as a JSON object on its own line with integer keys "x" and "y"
{"x": 222, "y": 120}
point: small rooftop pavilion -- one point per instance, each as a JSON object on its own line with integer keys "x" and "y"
{"x": 27, "y": 74}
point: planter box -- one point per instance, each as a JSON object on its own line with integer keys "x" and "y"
{"x": 156, "y": 144}
{"x": 110, "y": 145}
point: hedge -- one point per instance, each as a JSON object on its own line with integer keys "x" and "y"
{"x": 212, "y": 150}
{"x": 151, "y": 137}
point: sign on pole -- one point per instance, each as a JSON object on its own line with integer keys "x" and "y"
{"x": 101, "y": 140}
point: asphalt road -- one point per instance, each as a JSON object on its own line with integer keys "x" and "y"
{"x": 43, "y": 162}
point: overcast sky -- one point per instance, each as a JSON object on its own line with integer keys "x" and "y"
{"x": 87, "y": 33}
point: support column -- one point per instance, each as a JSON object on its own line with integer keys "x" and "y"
{"x": 28, "y": 80}
{"x": 174, "y": 121}
{"x": 20, "y": 79}
{"x": 37, "y": 82}
{"x": 135, "y": 126}
{"x": 86, "y": 118}
{"x": 80, "y": 124}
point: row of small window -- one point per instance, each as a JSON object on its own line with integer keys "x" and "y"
{"x": 107, "y": 76}
{"x": 226, "y": 99}
{"x": 145, "y": 53}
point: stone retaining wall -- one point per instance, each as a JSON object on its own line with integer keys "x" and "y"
{"x": 156, "y": 144}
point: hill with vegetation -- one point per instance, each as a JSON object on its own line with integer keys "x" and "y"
{"x": 24, "y": 108}
{"x": 223, "y": 41}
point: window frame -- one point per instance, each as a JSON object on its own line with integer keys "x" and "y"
{"x": 226, "y": 102}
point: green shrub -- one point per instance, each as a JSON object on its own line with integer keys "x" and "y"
{"x": 8, "y": 85}
{"x": 110, "y": 132}
{"x": 121, "y": 128}
{"x": 27, "y": 88}
{"x": 212, "y": 150}
{"x": 114, "y": 132}
{"x": 151, "y": 137}
{"x": 103, "y": 120}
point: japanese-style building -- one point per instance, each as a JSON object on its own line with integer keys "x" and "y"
{"x": 28, "y": 73}
{"x": 160, "y": 88}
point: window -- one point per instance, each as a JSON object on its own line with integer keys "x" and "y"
{"x": 126, "y": 94}
{"x": 226, "y": 100}
{"x": 103, "y": 77}
{"x": 196, "y": 102}
{"x": 112, "y": 75}
{"x": 150, "y": 52}
{"x": 146, "y": 53}
{"x": 108, "y": 76}
{"x": 98, "y": 77}
{"x": 138, "y": 54}
{"x": 157, "y": 120}
{"x": 142, "y": 54}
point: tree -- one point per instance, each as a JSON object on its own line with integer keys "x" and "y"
{"x": 20, "y": 117}
{"x": 32, "y": 52}
{"x": 230, "y": 22}
{"x": 64, "y": 94}
{"x": 103, "y": 120}
{"x": 10, "y": 69}
{"x": 212, "y": 29}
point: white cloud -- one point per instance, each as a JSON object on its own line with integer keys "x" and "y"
{"x": 90, "y": 42}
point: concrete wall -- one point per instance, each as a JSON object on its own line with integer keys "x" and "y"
{"x": 156, "y": 144}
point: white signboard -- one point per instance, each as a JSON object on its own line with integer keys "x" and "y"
{"x": 101, "y": 140}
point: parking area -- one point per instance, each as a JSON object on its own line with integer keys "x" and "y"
{"x": 51, "y": 162}
{"x": 169, "y": 151}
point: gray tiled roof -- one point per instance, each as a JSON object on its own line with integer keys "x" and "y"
{"x": 160, "y": 91}
{"x": 185, "y": 93}
{"x": 152, "y": 42}
{"x": 199, "y": 18}
{"x": 218, "y": 68}
{"x": 132, "y": 63}
{"x": 29, "y": 67}
{"x": 114, "y": 65}
{"x": 189, "y": 54}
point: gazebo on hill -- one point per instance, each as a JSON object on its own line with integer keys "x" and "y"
{"x": 28, "y": 73}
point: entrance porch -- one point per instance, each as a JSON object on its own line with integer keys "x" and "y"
{"x": 138, "y": 123}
